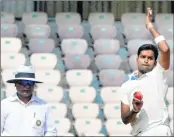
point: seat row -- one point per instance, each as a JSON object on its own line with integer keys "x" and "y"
{"x": 86, "y": 116}
{"x": 77, "y": 31}
{"x": 70, "y": 61}
{"x": 79, "y": 94}
{"x": 93, "y": 19}
{"x": 36, "y": 26}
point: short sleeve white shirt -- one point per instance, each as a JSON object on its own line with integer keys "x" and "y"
{"x": 153, "y": 86}
{"x": 31, "y": 119}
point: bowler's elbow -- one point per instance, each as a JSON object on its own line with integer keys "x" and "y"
{"x": 124, "y": 121}
{"x": 163, "y": 46}
{"x": 166, "y": 49}
{"x": 164, "y": 59}
{"x": 124, "y": 112}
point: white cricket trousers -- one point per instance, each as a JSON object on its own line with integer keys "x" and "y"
{"x": 160, "y": 130}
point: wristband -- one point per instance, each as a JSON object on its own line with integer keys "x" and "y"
{"x": 149, "y": 25}
{"x": 159, "y": 39}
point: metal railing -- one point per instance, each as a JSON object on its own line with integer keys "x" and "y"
{"x": 83, "y": 7}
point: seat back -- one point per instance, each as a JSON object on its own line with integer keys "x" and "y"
{"x": 133, "y": 18}
{"x": 74, "y": 46}
{"x": 99, "y": 18}
{"x": 79, "y": 77}
{"x": 103, "y": 32}
{"x": 77, "y": 61}
{"x": 68, "y": 18}
{"x": 34, "y": 18}
{"x": 108, "y": 61}
{"x": 10, "y": 45}
{"x": 70, "y": 31}
{"x": 85, "y": 110}
{"x": 43, "y": 60}
{"x": 82, "y": 94}
{"x": 106, "y": 46}
{"x": 7, "y": 18}
{"x": 50, "y": 93}
{"x": 12, "y": 60}
{"x": 37, "y": 31}
{"x": 41, "y": 45}
{"x": 112, "y": 77}
{"x": 9, "y": 30}
{"x": 49, "y": 77}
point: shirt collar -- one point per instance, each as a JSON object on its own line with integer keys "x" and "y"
{"x": 135, "y": 75}
{"x": 15, "y": 98}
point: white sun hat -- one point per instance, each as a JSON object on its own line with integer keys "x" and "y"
{"x": 24, "y": 73}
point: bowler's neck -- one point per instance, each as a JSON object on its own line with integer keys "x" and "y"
{"x": 139, "y": 74}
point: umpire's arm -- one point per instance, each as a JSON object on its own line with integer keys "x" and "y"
{"x": 50, "y": 129}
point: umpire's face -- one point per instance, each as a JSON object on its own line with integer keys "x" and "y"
{"x": 25, "y": 88}
{"x": 146, "y": 61}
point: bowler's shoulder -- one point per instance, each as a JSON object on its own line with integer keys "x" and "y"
{"x": 128, "y": 86}
{"x": 128, "y": 83}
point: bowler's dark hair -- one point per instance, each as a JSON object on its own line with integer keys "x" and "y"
{"x": 148, "y": 47}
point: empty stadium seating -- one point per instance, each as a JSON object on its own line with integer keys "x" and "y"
{"x": 81, "y": 76}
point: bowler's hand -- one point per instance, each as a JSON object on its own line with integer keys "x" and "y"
{"x": 137, "y": 104}
{"x": 149, "y": 16}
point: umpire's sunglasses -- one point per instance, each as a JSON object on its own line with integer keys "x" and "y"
{"x": 26, "y": 82}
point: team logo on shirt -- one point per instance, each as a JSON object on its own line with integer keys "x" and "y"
{"x": 38, "y": 123}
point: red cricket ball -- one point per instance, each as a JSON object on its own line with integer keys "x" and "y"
{"x": 138, "y": 95}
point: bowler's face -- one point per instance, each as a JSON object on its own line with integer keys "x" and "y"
{"x": 146, "y": 61}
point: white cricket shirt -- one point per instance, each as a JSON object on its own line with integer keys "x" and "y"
{"x": 153, "y": 86}
{"x": 31, "y": 119}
